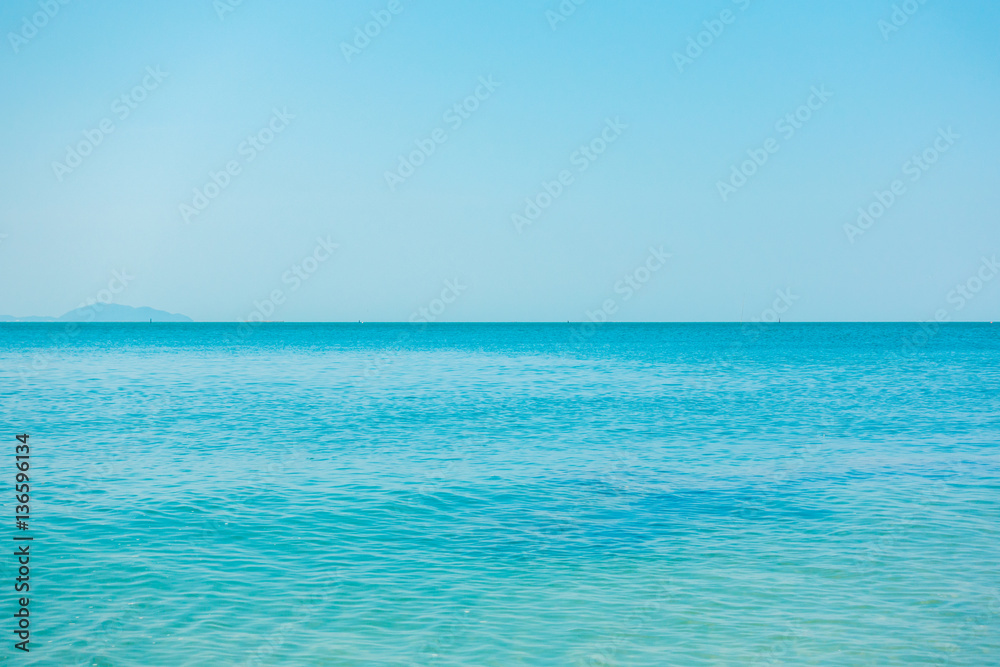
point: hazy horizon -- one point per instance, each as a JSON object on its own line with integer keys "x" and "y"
{"x": 548, "y": 162}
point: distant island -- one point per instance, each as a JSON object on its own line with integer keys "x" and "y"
{"x": 100, "y": 312}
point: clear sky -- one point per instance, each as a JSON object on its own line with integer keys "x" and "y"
{"x": 310, "y": 118}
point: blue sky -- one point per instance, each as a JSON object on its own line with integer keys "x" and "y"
{"x": 555, "y": 86}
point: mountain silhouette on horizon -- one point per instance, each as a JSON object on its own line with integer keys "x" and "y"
{"x": 100, "y": 312}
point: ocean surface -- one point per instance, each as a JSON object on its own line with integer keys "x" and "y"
{"x": 546, "y": 494}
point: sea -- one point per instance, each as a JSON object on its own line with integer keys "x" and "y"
{"x": 504, "y": 494}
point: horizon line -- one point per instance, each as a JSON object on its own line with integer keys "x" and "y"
{"x": 496, "y": 322}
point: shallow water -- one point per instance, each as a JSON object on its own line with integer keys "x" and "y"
{"x": 509, "y": 494}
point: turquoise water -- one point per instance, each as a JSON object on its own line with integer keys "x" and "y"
{"x": 508, "y": 494}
